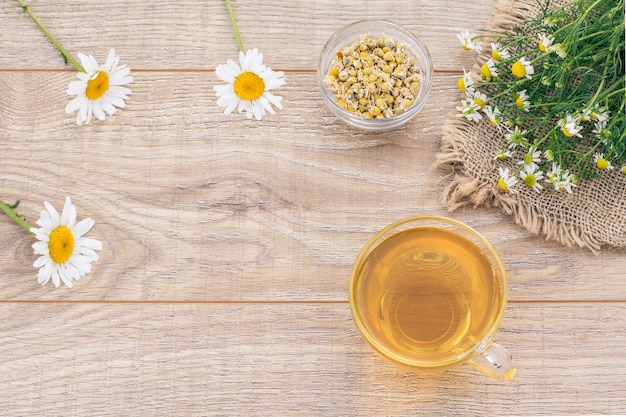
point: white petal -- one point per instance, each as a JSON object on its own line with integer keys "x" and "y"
{"x": 41, "y": 248}
{"x": 83, "y": 227}
{"x": 54, "y": 215}
{"x": 97, "y": 110}
{"x": 76, "y": 87}
{"x": 68, "y": 215}
{"x": 86, "y": 63}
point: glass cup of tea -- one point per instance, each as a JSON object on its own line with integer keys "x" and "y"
{"x": 428, "y": 293}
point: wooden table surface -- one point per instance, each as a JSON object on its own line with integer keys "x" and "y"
{"x": 228, "y": 243}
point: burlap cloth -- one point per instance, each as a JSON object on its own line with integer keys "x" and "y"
{"x": 593, "y": 217}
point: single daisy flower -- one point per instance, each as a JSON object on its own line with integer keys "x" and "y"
{"x": 493, "y": 114}
{"x": 548, "y": 154}
{"x": 249, "y": 83}
{"x": 100, "y": 89}
{"x": 467, "y": 41}
{"x": 561, "y": 50}
{"x": 503, "y": 155}
{"x": 480, "y": 99}
{"x": 531, "y": 176}
{"x": 545, "y": 43}
{"x": 597, "y": 113}
{"x": 523, "y": 68}
{"x": 521, "y": 100}
{"x": 466, "y": 84}
{"x": 499, "y": 54}
{"x": 601, "y": 161}
{"x": 531, "y": 158}
{"x": 488, "y": 70}
{"x": 66, "y": 255}
{"x": 506, "y": 181}
{"x": 600, "y": 130}
{"x": 562, "y": 180}
{"x": 516, "y": 138}
{"x": 570, "y": 127}
{"x": 470, "y": 110}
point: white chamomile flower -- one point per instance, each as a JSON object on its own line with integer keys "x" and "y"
{"x": 249, "y": 83}
{"x": 480, "y": 99}
{"x": 562, "y": 180}
{"x": 570, "y": 127}
{"x": 466, "y": 84}
{"x": 531, "y": 158}
{"x": 545, "y": 43}
{"x": 506, "y": 181}
{"x": 600, "y": 130}
{"x": 100, "y": 89}
{"x": 516, "y": 137}
{"x": 523, "y": 68}
{"x": 599, "y": 114}
{"x": 531, "y": 176}
{"x": 504, "y": 154}
{"x": 467, "y": 40}
{"x": 493, "y": 114}
{"x": 65, "y": 254}
{"x": 560, "y": 50}
{"x": 601, "y": 161}
{"x": 470, "y": 110}
{"x": 499, "y": 54}
{"x": 488, "y": 70}
{"x": 521, "y": 100}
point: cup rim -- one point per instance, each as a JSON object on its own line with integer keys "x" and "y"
{"x": 426, "y": 76}
{"x": 400, "y": 360}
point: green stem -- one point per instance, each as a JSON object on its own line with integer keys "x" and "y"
{"x": 234, "y": 23}
{"x": 14, "y": 216}
{"x": 66, "y": 55}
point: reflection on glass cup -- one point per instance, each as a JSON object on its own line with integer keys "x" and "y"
{"x": 429, "y": 292}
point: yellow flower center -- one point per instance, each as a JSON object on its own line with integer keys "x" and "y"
{"x": 502, "y": 184}
{"x": 566, "y": 132}
{"x": 249, "y": 86}
{"x": 480, "y": 103}
{"x": 542, "y": 47}
{"x": 624, "y": 170}
{"x": 496, "y": 55}
{"x": 528, "y": 158}
{"x": 530, "y": 180}
{"x": 61, "y": 244}
{"x": 466, "y": 47}
{"x": 485, "y": 71}
{"x": 461, "y": 84}
{"x": 602, "y": 163}
{"x": 518, "y": 69}
{"x": 519, "y": 103}
{"x": 96, "y": 87}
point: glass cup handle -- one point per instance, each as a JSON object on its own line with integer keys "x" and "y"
{"x": 494, "y": 360}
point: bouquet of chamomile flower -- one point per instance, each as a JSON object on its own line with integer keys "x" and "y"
{"x": 554, "y": 87}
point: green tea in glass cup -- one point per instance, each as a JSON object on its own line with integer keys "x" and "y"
{"x": 428, "y": 293}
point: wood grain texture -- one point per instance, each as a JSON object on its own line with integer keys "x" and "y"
{"x": 228, "y": 243}
{"x": 192, "y": 205}
{"x": 197, "y": 34}
{"x": 292, "y": 359}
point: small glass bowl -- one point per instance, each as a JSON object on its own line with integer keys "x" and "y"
{"x": 375, "y": 28}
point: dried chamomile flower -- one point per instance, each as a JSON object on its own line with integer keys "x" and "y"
{"x": 374, "y": 78}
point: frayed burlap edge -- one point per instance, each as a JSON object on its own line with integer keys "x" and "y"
{"x": 465, "y": 185}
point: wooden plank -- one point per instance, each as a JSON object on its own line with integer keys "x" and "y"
{"x": 191, "y": 205}
{"x": 193, "y": 34}
{"x": 291, "y": 359}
